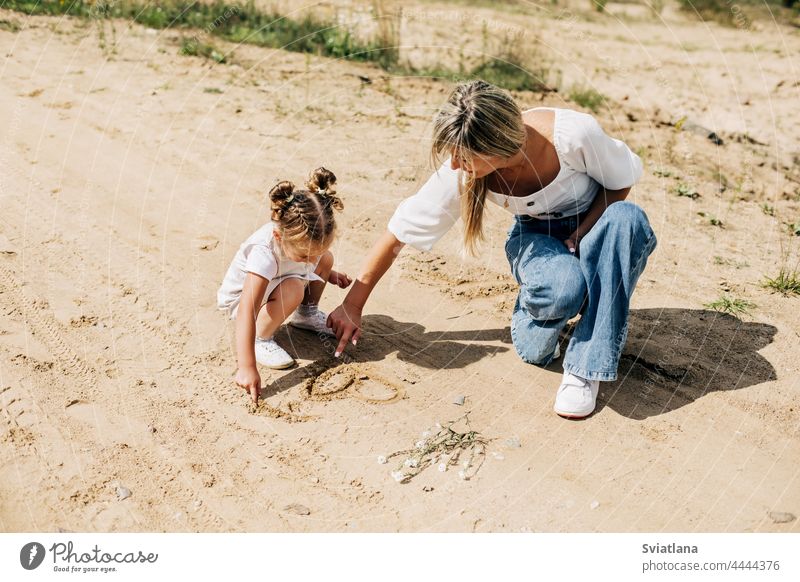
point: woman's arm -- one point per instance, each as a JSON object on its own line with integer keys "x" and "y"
{"x": 345, "y": 320}
{"x": 599, "y": 204}
{"x": 249, "y": 304}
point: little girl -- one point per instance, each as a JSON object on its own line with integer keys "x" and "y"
{"x": 282, "y": 268}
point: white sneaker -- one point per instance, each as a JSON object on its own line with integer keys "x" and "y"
{"x": 271, "y": 355}
{"x": 576, "y": 397}
{"x": 311, "y": 318}
{"x": 557, "y": 352}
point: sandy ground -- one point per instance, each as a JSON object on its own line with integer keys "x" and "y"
{"x": 129, "y": 175}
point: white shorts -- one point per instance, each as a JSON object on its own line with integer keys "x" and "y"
{"x": 233, "y": 307}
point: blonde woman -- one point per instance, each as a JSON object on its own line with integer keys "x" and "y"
{"x": 575, "y": 244}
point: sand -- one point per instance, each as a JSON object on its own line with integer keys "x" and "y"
{"x": 129, "y": 175}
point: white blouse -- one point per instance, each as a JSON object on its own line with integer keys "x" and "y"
{"x": 589, "y": 160}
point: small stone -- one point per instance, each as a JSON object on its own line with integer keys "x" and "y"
{"x": 781, "y": 516}
{"x": 297, "y": 509}
{"x": 363, "y": 377}
{"x": 594, "y": 504}
{"x": 513, "y": 443}
{"x": 123, "y": 493}
{"x": 459, "y": 400}
{"x": 152, "y": 429}
{"x": 197, "y": 504}
{"x": 498, "y": 456}
{"x": 314, "y": 480}
{"x": 427, "y": 489}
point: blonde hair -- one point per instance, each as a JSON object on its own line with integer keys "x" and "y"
{"x": 305, "y": 217}
{"x": 478, "y": 118}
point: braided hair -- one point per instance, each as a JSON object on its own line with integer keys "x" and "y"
{"x": 305, "y": 216}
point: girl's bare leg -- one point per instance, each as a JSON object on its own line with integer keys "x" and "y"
{"x": 314, "y": 290}
{"x": 282, "y": 302}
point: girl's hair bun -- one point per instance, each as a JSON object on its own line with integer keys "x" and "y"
{"x": 280, "y": 197}
{"x": 321, "y": 180}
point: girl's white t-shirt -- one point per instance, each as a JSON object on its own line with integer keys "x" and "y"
{"x": 589, "y": 160}
{"x": 260, "y": 255}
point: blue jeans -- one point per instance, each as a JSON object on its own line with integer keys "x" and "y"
{"x": 556, "y": 285}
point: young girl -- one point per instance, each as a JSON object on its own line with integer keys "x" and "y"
{"x": 282, "y": 268}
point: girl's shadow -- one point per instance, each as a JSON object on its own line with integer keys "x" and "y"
{"x": 675, "y": 356}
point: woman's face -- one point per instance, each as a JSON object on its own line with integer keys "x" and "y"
{"x": 479, "y": 166}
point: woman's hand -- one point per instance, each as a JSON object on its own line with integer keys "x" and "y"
{"x": 339, "y": 279}
{"x": 345, "y": 321}
{"x": 249, "y": 379}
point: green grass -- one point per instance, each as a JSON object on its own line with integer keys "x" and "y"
{"x": 509, "y": 74}
{"x": 786, "y": 282}
{"x": 712, "y": 220}
{"x": 718, "y": 260}
{"x": 236, "y": 23}
{"x": 741, "y": 13}
{"x": 767, "y": 209}
{"x": 247, "y": 23}
{"x": 794, "y": 228}
{"x": 587, "y": 97}
{"x": 9, "y": 26}
{"x": 733, "y": 305}
{"x": 191, "y": 46}
{"x": 683, "y": 189}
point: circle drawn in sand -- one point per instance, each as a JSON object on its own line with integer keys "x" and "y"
{"x": 356, "y": 381}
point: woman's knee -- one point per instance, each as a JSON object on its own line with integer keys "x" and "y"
{"x": 557, "y": 295}
{"x": 628, "y": 214}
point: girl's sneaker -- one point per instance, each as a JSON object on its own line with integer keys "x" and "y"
{"x": 311, "y": 318}
{"x": 271, "y": 355}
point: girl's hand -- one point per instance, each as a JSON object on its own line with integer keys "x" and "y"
{"x": 345, "y": 321}
{"x": 339, "y": 279}
{"x": 249, "y": 379}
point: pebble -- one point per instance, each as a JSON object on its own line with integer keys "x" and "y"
{"x": 513, "y": 443}
{"x": 781, "y": 517}
{"x": 427, "y": 489}
{"x": 498, "y": 456}
{"x": 594, "y": 504}
{"x": 459, "y": 400}
{"x": 297, "y": 509}
{"x": 197, "y": 504}
{"x": 123, "y": 493}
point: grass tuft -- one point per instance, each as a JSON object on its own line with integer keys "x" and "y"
{"x": 786, "y": 282}
{"x": 732, "y": 305}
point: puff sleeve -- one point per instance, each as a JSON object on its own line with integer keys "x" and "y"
{"x": 424, "y": 218}
{"x": 588, "y": 149}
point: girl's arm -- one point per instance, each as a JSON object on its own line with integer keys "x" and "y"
{"x": 345, "y": 320}
{"x": 250, "y": 302}
{"x": 599, "y": 204}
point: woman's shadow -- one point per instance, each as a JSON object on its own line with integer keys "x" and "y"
{"x": 675, "y": 356}
{"x": 382, "y": 336}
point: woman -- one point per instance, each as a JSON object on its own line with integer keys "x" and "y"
{"x": 575, "y": 246}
